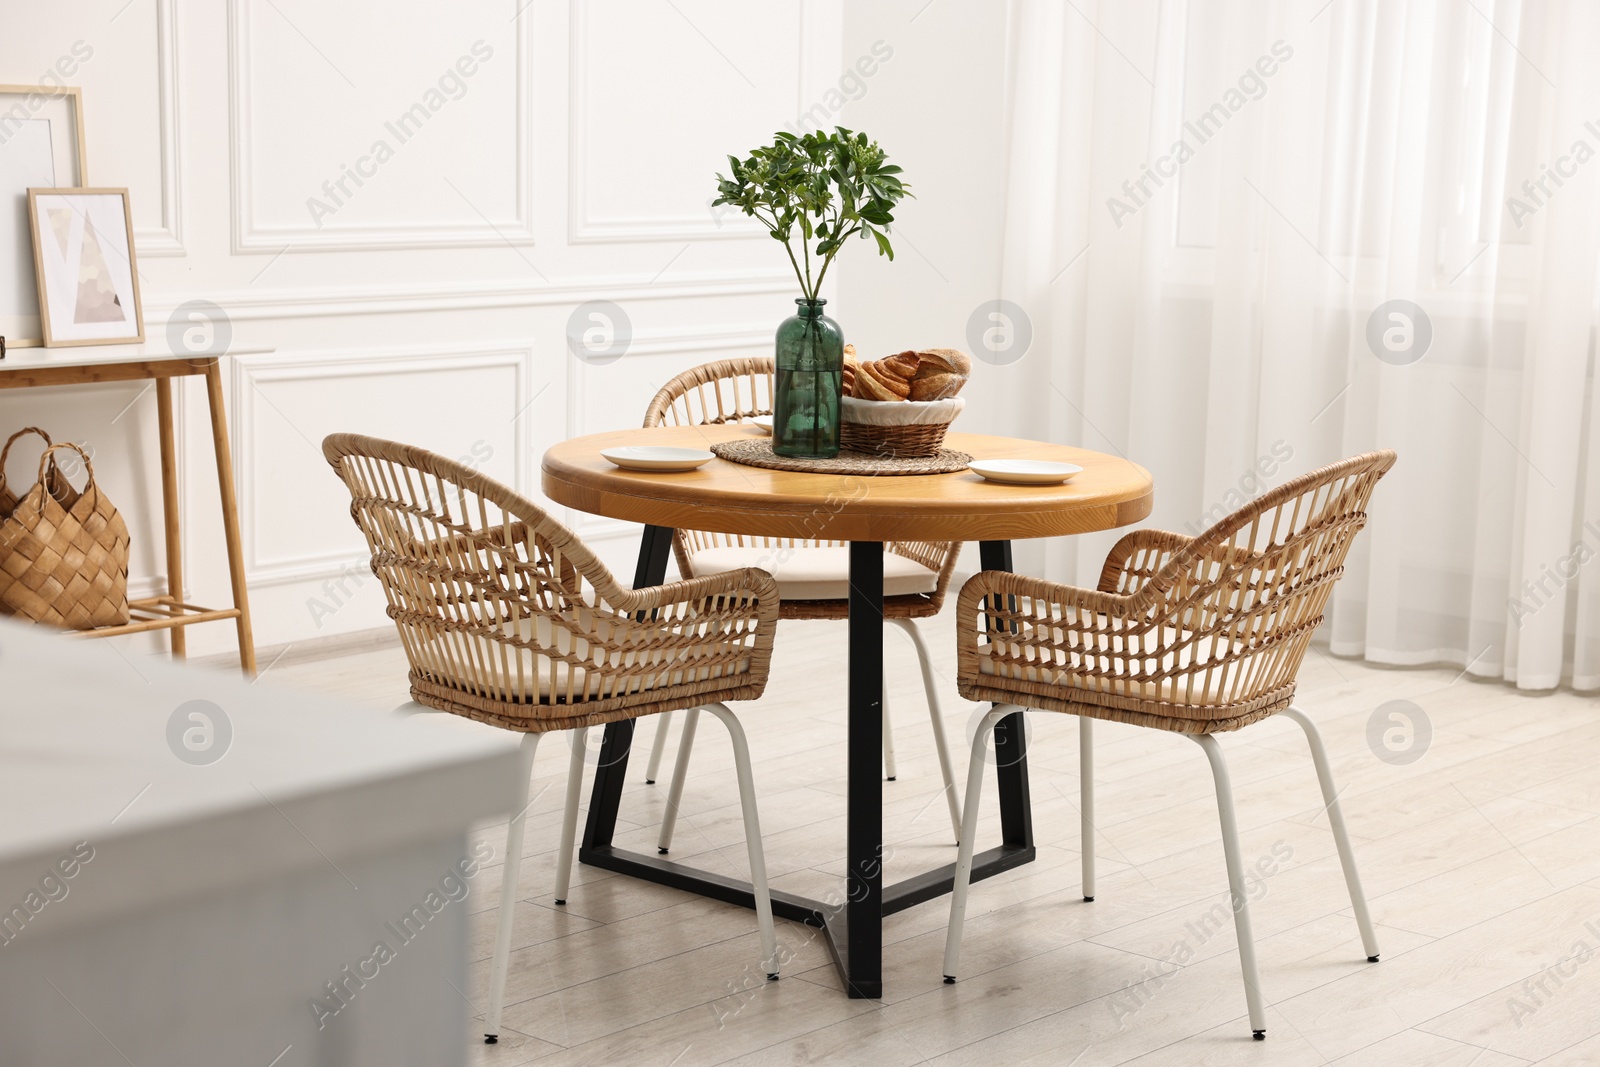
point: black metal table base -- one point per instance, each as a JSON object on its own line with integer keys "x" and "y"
{"x": 852, "y": 926}
{"x": 817, "y": 914}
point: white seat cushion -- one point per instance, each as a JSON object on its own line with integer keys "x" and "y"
{"x": 820, "y": 572}
{"x": 524, "y": 675}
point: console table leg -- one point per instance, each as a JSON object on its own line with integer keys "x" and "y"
{"x": 169, "y": 507}
{"x": 230, "y": 516}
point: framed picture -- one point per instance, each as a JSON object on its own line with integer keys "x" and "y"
{"x": 41, "y": 145}
{"x": 83, "y": 256}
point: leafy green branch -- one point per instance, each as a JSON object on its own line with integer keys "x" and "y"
{"x": 827, "y": 187}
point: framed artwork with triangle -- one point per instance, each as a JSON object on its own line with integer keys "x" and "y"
{"x": 84, "y": 260}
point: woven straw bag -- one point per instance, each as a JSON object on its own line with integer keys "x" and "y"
{"x": 60, "y": 488}
{"x": 64, "y": 563}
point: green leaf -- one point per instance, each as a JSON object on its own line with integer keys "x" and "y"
{"x": 831, "y": 185}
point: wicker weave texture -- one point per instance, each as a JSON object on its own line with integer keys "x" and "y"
{"x": 899, "y": 442}
{"x": 60, "y": 488}
{"x": 64, "y": 562}
{"x": 757, "y": 452}
{"x": 737, "y": 390}
{"x": 713, "y": 394}
{"x": 506, "y": 617}
{"x": 1194, "y": 634}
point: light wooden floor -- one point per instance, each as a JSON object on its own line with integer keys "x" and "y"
{"x": 1481, "y": 861}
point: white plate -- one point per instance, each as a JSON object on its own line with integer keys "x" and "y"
{"x": 657, "y": 458}
{"x": 1024, "y": 471}
{"x": 762, "y": 423}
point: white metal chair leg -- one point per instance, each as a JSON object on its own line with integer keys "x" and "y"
{"x": 1086, "y": 801}
{"x": 657, "y": 747}
{"x": 969, "y": 837}
{"x": 1236, "y": 884}
{"x": 889, "y": 772}
{"x": 508, "y": 885}
{"x": 1341, "y": 837}
{"x": 931, "y": 687}
{"x": 752, "y": 837}
{"x": 669, "y": 819}
{"x": 569, "y": 814}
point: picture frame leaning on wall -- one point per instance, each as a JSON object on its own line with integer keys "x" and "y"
{"x": 84, "y": 261}
{"x": 41, "y": 146}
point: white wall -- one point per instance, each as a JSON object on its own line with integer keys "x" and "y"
{"x": 431, "y": 304}
{"x": 936, "y": 107}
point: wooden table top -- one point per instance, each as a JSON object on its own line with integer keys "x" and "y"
{"x": 727, "y": 497}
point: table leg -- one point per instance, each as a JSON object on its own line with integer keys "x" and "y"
{"x": 864, "y": 834}
{"x": 169, "y": 507}
{"x": 230, "y": 516}
{"x": 606, "y": 799}
{"x": 853, "y": 934}
{"x": 1010, "y": 739}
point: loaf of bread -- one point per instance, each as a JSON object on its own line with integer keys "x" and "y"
{"x": 941, "y": 372}
{"x": 930, "y": 374}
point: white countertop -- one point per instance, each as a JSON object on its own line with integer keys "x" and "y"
{"x": 85, "y": 756}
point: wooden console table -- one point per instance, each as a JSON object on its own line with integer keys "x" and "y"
{"x": 34, "y": 367}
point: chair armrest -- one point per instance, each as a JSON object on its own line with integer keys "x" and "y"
{"x": 1139, "y": 557}
{"x": 938, "y": 556}
{"x": 704, "y": 614}
{"x": 999, "y": 597}
{"x": 1030, "y": 623}
{"x": 749, "y": 592}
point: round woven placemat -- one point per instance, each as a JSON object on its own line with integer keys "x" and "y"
{"x": 757, "y": 452}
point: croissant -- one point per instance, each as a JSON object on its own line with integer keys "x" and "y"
{"x": 931, "y": 374}
{"x": 874, "y": 383}
{"x": 903, "y": 365}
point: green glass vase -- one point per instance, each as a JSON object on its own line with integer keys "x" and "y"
{"x": 806, "y": 384}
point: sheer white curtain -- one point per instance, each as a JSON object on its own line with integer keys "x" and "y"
{"x": 1205, "y": 204}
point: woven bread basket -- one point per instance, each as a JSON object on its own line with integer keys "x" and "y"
{"x": 902, "y": 429}
{"x": 64, "y": 564}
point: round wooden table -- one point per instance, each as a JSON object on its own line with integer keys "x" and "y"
{"x": 729, "y": 497}
{"x": 726, "y": 497}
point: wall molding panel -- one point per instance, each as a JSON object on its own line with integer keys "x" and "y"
{"x": 250, "y": 236}
{"x": 585, "y": 225}
{"x": 264, "y": 304}
{"x": 411, "y": 311}
{"x": 714, "y": 343}
{"x": 166, "y": 239}
{"x": 252, "y": 373}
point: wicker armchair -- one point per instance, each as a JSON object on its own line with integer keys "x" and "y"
{"x": 813, "y": 575}
{"x": 508, "y": 619}
{"x": 1197, "y": 635}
